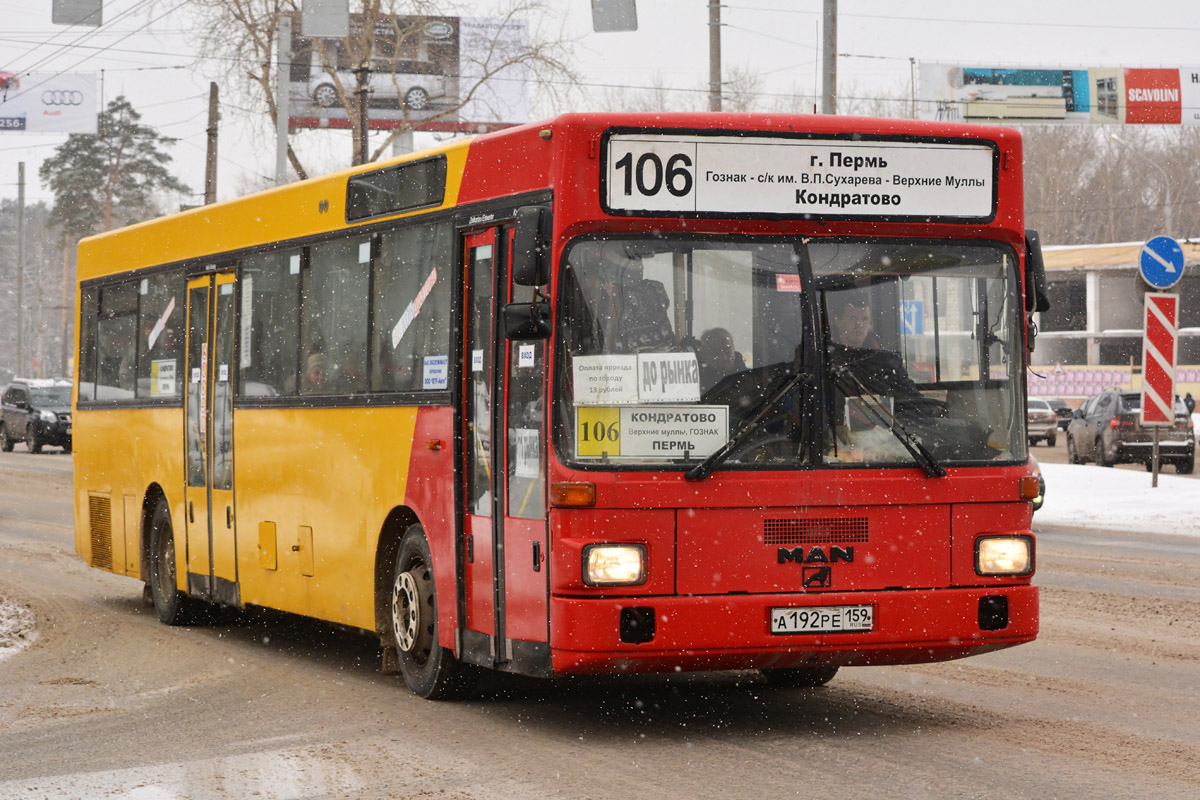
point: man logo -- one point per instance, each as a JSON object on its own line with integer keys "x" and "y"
{"x": 62, "y": 97}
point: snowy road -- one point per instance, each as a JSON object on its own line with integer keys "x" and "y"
{"x": 106, "y": 702}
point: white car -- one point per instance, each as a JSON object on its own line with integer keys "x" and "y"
{"x": 411, "y": 90}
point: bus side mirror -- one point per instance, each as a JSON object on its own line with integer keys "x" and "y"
{"x": 531, "y": 253}
{"x": 1036, "y": 298}
{"x": 527, "y": 321}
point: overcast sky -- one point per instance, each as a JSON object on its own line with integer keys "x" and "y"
{"x": 157, "y": 67}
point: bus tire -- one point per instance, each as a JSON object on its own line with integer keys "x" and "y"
{"x": 429, "y": 669}
{"x": 172, "y": 606}
{"x": 800, "y": 677}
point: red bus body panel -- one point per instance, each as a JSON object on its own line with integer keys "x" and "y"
{"x": 715, "y": 568}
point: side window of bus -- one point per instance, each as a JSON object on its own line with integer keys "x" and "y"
{"x": 412, "y": 308}
{"x": 89, "y": 299}
{"x": 333, "y": 317}
{"x": 116, "y": 342}
{"x": 269, "y": 333}
{"x": 160, "y": 335}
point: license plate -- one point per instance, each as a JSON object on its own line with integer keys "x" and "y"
{"x": 822, "y": 619}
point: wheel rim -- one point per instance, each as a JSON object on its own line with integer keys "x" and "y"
{"x": 416, "y": 99}
{"x": 325, "y": 95}
{"x": 413, "y": 630}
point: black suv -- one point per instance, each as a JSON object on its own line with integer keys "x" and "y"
{"x": 37, "y": 411}
{"x": 1107, "y": 429}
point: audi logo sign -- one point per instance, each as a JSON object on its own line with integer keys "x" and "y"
{"x": 50, "y": 102}
{"x": 62, "y": 97}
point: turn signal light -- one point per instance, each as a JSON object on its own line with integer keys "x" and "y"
{"x": 568, "y": 494}
{"x": 1029, "y": 487}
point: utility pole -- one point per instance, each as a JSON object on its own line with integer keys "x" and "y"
{"x": 714, "y": 55}
{"x": 283, "y": 76}
{"x": 21, "y": 268}
{"x": 362, "y": 75}
{"x": 829, "y": 58}
{"x": 210, "y": 158}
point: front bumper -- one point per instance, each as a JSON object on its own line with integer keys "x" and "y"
{"x": 733, "y": 631}
{"x": 54, "y": 433}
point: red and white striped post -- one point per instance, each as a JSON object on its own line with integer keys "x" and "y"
{"x": 1159, "y": 351}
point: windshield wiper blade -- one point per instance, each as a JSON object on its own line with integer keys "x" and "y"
{"x": 717, "y": 457}
{"x": 912, "y": 444}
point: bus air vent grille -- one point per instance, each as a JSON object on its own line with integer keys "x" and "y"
{"x": 815, "y": 530}
{"x": 100, "y": 514}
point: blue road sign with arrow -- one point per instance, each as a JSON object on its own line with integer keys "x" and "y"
{"x": 1161, "y": 262}
{"x": 912, "y": 317}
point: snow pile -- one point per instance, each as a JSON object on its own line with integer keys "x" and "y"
{"x": 1099, "y": 498}
{"x": 16, "y": 628}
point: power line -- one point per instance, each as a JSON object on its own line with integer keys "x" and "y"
{"x": 960, "y": 21}
{"x": 87, "y": 34}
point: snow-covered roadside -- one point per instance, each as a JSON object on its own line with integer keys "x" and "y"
{"x": 16, "y": 628}
{"x": 1087, "y": 496}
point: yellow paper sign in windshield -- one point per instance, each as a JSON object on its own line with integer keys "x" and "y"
{"x": 598, "y": 431}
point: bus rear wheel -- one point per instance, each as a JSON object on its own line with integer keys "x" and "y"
{"x": 429, "y": 669}
{"x": 800, "y": 677}
{"x": 172, "y": 606}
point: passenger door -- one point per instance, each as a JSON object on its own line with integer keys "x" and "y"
{"x": 505, "y": 547}
{"x": 208, "y": 440}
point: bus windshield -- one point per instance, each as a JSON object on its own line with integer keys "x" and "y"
{"x": 788, "y": 353}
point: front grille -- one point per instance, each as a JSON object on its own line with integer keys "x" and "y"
{"x": 100, "y": 522}
{"x": 815, "y": 530}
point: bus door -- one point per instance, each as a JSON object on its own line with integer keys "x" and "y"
{"x": 211, "y": 534}
{"x": 506, "y": 549}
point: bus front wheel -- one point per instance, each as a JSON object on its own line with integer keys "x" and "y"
{"x": 800, "y": 678}
{"x": 429, "y": 669}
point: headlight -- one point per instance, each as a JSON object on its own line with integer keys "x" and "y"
{"x": 48, "y": 416}
{"x": 1004, "y": 555}
{"x": 614, "y": 564}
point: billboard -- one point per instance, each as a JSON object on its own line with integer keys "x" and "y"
{"x": 47, "y": 102}
{"x": 423, "y": 71}
{"x": 1096, "y": 95}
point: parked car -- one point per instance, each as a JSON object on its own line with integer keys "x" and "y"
{"x": 1107, "y": 429}
{"x": 1041, "y": 422}
{"x": 38, "y": 412}
{"x": 1037, "y": 470}
{"x": 1062, "y": 410}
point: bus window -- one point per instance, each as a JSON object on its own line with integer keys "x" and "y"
{"x": 920, "y": 343}
{"x": 333, "y": 318}
{"x": 269, "y": 336}
{"x": 160, "y": 326}
{"x": 116, "y": 342}
{"x": 89, "y": 300}
{"x": 411, "y": 290}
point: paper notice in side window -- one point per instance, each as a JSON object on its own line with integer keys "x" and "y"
{"x": 435, "y": 374}
{"x": 604, "y": 380}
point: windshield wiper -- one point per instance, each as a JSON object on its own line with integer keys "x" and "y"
{"x": 884, "y": 416}
{"x": 717, "y": 457}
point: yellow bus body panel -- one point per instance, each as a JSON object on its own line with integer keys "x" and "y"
{"x": 294, "y": 211}
{"x": 119, "y": 454}
{"x": 337, "y": 472}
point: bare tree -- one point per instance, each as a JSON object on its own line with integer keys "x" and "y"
{"x": 243, "y": 36}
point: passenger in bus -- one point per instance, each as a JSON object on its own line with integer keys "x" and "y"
{"x": 717, "y": 357}
{"x": 314, "y": 373}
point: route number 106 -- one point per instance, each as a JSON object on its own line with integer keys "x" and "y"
{"x": 651, "y": 176}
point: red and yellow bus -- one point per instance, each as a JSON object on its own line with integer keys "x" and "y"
{"x": 609, "y": 393}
